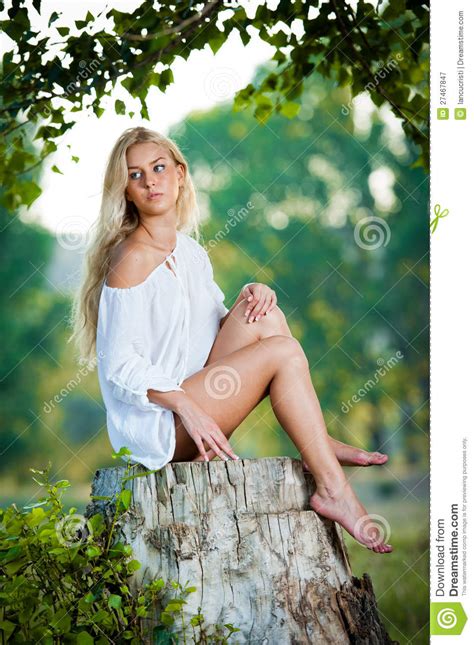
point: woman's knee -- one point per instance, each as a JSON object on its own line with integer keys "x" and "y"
{"x": 272, "y": 324}
{"x": 277, "y": 318}
{"x": 287, "y": 350}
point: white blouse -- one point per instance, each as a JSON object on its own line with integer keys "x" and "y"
{"x": 153, "y": 336}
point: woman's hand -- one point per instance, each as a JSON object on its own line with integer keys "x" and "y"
{"x": 201, "y": 427}
{"x": 260, "y": 298}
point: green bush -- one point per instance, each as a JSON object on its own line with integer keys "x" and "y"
{"x": 64, "y": 578}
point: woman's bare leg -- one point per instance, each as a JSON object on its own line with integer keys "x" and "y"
{"x": 278, "y": 363}
{"x": 237, "y": 333}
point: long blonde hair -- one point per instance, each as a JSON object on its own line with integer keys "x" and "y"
{"x": 117, "y": 219}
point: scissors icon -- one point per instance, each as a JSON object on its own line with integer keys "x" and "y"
{"x": 438, "y": 215}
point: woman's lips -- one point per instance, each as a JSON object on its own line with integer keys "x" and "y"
{"x": 154, "y": 195}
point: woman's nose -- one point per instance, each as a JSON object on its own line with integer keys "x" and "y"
{"x": 150, "y": 181}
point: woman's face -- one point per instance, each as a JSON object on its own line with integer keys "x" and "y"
{"x": 154, "y": 178}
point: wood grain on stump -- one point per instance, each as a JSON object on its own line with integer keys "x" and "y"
{"x": 244, "y": 534}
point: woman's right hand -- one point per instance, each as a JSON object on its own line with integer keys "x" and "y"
{"x": 201, "y": 427}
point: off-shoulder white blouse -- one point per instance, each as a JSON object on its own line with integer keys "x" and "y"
{"x": 153, "y": 336}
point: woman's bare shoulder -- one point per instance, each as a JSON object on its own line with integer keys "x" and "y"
{"x": 131, "y": 263}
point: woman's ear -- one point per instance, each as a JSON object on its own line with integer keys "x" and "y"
{"x": 181, "y": 175}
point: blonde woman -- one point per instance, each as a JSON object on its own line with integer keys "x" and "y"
{"x": 178, "y": 370}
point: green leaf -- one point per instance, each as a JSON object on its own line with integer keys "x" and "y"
{"x": 280, "y": 39}
{"x": 119, "y": 107}
{"x": 93, "y": 551}
{"x": 167, "y": 619}
{"x": 216, "y": 43}
{"x": 142, "y": 611}
{"x": 29, "y": 191}
{"x": 133, "y": 565}
{"x": 174, "y": 605}
{"x": 7, "y": 627}
{"x": 125, "y": 498}
{"x": 100, "y": 616}
{"x": 166, "y": 78}
{"x": 290, "y": 109}
{"x": 61, "y": 621}
{"x": 53, "y": 17}
{"x": 114, "y": 601}
{"x": 122, "y": 452}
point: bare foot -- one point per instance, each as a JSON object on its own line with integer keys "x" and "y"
{"x": 351, "y": 456}
{"x": 346, "y": 509}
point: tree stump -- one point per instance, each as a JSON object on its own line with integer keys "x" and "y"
{"x": 244, "y": 534}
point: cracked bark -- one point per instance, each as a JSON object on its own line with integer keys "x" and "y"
{"x": 246, "y": 527}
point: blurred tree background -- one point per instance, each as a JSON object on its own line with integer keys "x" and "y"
{"x": 330, "y": 210}
{"x": 281, "y": 205}
{"x": 353, "y": 302}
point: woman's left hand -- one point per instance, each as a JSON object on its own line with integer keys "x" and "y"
{"x": 260, "y": 300}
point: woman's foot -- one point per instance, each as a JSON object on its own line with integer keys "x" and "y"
{"x": 344, "y": 508}
{"x": 351, "y": 456}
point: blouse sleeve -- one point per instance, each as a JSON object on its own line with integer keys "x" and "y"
{"x": 214, "y": 288}
{"x": 126, "y": 365}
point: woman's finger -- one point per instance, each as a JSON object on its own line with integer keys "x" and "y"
{"x": 224, "y": 447}
{"x": 252, "y": 314}
{"x": 257, "y": 312}
{"x": 224, "y": 443}
{"x": 255, "y": 300}
{"x": 264, "y": 308}
{"x": 198, "y": 441}
{"x": 261, "y": 307}
{"x": 210, "y": 453}
{"x": 247, "y": 294}
{"x": 256, "y": 306}
{"x": 214, "y": 445}
{"x": 273, "y": 304}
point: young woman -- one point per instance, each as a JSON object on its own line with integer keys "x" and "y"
{"x": 178, "y": 371}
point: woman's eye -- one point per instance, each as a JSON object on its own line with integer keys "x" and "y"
{"x": 137, "y": 173}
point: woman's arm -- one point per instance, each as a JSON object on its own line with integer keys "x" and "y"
{"x": 172, "y": 400}
{"x": 197, "y": 423}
